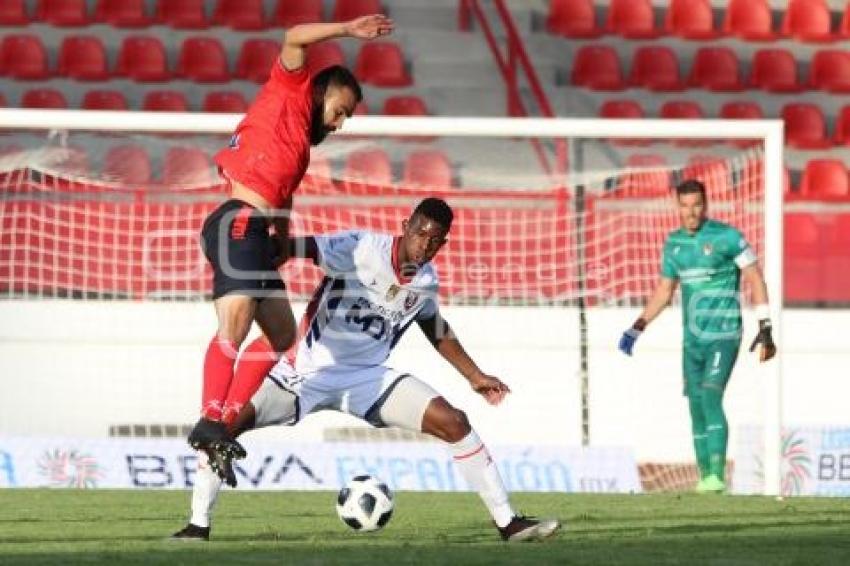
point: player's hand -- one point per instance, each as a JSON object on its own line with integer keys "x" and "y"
{"x": 765, "y": 338}
{"x": 489, "y": 387}
{"x": 369, "y": 27}
{"x": 627, "y": 340}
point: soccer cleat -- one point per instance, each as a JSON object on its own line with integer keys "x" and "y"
{"x": 206, "y": 432}
{"x": 192, "y": 533}
{"x": 221, "y": 462}
{"x": 711, "y": 484}
{"x": 522, "y": 529}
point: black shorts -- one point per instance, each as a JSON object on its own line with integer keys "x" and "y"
{"x": 236, "y": 241}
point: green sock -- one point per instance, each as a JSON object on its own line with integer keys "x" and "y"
{"x": 698, "y": 432}
{"x": 717, "y": 430}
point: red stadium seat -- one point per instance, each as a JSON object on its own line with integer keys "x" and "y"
{"x": 749, "y": 19}
{"x": 323, "y": 55}
{"x": 82, "y": 58}
{"x": 690, "y": 19}
{"x": 142, "y": 58}
{"x": 807, "y": 20}
{"x": 621, "y": 109}
{"x": 129, "y": 164}
{"x": 655, "y": 68}
{"x": 68, "y": 13}
{"x": 366, "y": 168}
{"x": 717, "y": 69}
{"x": 842, "y": 127}
{"x": 803, "y": 263}
{"x": 572, "y": 18}
{"x": 648, "y": 175}
{"x": 836, "y": 277}
{"x": 288, "y": 13}
{"x": 104, "y": 100}
{"x": 187, "y": 166}
{"x": 345, "y": 10}
{"x": 256, "y": 57}
{"x": 774, "y": 70}
{"x": 203, "y": 60}
{"x": 122, "y": 13}
{"x": 382, "y": 64}
{"x": 13, "y": 13}
{"x": 401, "y": 105}
{"x": 805, "y": 126}
{"x": 428, "y": 168}
{"x": 225, "y": 101}
{"x": 182, "y": 14}
{"x": 681, "y": 109}
{"x": 825, "y": 178}
{"x": 741, "y": 110}
{"x": 24, "y": 57}
{"x": 165, "y": 101}
{"x": 597, "y": 67}
{"x": 633, "y": 19}
{"x": 44, "y": 98}
{"x": 830, "y": 70}
{"x": 243, "y": 15}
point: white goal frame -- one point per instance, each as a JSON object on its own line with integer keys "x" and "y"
{"x": 769, "y": 131}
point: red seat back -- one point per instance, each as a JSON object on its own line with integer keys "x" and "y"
{"x": 774, "y": 70}
{"x": 225, "y": 101}
{"x": 256, "y": 57}
{"x": 24, "y": 57}
{"x": 655, "y": 68}
{"x": 82, "y": 58}
{"x": 241, "y": 14}
{"x": 749, "y": 19}
{"x": 203, "y": 60}
{"x": 572, "y": 18}
{"x": 690, "y": 19}
{"x": 288, "y": 13}
{"x": 143, "y": 58}
{"x": 182, "y": 14}
{"x": 70, "y": 13}
{"x": 807, "y": 20}
{"x": 104, "y": 100}
{"x": 597, "y": 67}
{"x": 825, "y": 178}
{"x": 632, "y": 19}
{"x": 382, "y": 64}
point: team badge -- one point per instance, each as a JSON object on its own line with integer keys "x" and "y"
{"x": 707, "y": 249}
{"x": 392, "y": 292}
{"x": 410, "y": 300}
{"x": 234, "y": 142}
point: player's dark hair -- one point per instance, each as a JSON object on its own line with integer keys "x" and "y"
{"x": 690, "y": 186}
{"x": 435, "y": 209}
{"x": 335, "y": 75}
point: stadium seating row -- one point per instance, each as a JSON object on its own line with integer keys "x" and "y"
{"x": 656, "y": 67}
{"x": 183, "y": 14}
{"x": 131, "y": 165}
{"x": 201, "y": 59}
{"x": 751, "y": 20}
{"x": 140, "y": 249}
{"x": 177, "y": 101}
{"x": 805, "y": 123}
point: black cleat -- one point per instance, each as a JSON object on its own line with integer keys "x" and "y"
{"x": 522, "y": 529}
{"x": 221, "y": 462}
{"x": 192, "y": 533}
{"x": 230, "y": 447}
{"x": 206, "y": 433}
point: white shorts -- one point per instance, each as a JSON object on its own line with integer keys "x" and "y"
{"x": 379, "y": 395}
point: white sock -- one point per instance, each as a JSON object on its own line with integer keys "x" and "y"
{"x": 474, "y": 461}
{"x": 204, "y": 492}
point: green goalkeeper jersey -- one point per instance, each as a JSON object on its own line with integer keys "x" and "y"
{"x": 708, "y": 266}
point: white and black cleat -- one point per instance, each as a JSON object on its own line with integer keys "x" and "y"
{"x": 522, "y": 529}
{"x": 192, "y": 533}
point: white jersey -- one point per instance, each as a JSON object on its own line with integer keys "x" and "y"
{"x": 360, "y": 310}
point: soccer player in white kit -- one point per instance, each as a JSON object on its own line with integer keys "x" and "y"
{"x": 375, "y": 287}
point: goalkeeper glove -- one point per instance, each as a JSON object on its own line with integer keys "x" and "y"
{"x": 630, "y": 336}
{"x": 765, "y": 338}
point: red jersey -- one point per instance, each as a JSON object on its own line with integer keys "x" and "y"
{"x": 270, "y": 149}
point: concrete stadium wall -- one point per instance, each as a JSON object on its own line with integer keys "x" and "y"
{"x": 75, "y": 368}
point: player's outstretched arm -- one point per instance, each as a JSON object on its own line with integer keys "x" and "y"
{"x": 752, "y": 275}
{"x": 659, "y": 301}
{"x": 299, "y": 37}
{"x": 440, "y": 334}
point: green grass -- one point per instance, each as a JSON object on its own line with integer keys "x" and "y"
{"x": 126, "y": 527}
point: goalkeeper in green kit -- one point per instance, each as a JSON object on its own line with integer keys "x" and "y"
{"x": 708, "y": 258}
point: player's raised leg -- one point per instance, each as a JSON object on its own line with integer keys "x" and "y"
{"x": 413, "y": 405}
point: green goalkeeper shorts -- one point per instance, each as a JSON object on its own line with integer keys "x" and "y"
{"x": 709, "y": 364}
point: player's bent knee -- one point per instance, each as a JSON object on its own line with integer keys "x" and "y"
{"x": 457, "y": 426}
{"x": 445, "y": 422}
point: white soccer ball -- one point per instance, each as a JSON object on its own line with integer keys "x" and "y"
{"x": 365, "y": 504}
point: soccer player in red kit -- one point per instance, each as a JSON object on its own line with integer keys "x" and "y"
{"x": 262, "y": 166}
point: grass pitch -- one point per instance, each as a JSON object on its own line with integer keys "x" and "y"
{"x": 130, "y": 527}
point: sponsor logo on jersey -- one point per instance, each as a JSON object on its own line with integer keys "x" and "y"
{"x": 676, "y": 250}
{"x": 410, "y": 300}
{"x": 707, "y": 249}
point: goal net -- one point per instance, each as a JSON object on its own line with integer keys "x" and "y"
{"x": 554, "y": 250}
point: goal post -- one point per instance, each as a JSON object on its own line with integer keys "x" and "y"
{"x": 544, "y": 230}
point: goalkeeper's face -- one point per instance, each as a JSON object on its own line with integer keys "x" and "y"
{"x": 692, "y": 210}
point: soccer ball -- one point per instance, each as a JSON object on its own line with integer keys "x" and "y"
{"x": 365, "y": 504}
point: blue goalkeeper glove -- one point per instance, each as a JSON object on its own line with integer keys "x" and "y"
{"x": 630, "y": 336}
